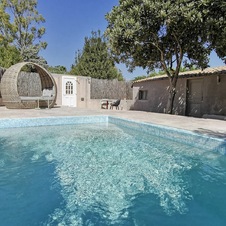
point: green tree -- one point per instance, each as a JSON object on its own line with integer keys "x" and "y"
{"x": 5, "y": 26}
{"x": 140, "y": 77}
{"x": 162, "y": 34}
{"x": 20, "y": 26}
{"x": 214, "y": 16}
{"x": 94, "y": 60}
{"x": 9, "y": 55}
{"x": 57, "y": 69}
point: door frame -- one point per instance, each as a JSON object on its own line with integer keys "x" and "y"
{"x": 72, "y": 97}
{"x": 187, "y": 94}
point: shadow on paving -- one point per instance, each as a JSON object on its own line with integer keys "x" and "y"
{"x": 211, "y": 133}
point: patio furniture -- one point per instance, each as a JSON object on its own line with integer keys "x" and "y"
{"x": 105, "y": 103}
{"x": 10, "y": 90}
{"x": 36, "y": 100}
{"x": 115, "y": 104}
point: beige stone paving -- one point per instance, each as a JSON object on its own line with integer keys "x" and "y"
{"x": 212, "y": 127}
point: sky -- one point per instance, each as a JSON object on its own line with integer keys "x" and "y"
{"x": 68, "y": 22}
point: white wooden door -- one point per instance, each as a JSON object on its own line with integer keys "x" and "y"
{"x": 69, "y": 92}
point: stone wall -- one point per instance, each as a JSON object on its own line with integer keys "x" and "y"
{"x": 111, "y": 89}
{"x": 29, "y": 84}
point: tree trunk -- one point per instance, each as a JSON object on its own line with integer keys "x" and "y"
{"x": 172, "y": 93}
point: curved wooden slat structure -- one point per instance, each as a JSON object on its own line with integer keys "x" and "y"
{"x": 9, "y": 88}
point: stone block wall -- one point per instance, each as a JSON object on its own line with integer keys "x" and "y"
{"x": 111, "y": 89}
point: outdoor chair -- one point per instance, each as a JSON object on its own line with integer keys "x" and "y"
{"x": 115, "y": 104}
{"x": 104, "y": 103}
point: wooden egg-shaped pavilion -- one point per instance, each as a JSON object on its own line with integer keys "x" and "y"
{"x": 10, "y": 88}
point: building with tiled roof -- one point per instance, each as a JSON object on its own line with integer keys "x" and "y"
{"x": 199, "y": 92}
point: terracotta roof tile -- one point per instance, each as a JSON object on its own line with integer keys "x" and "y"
{"x": 207, "y": 71}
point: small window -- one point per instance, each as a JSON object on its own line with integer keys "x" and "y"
{"x": 69, "y": 88}
{"x": 143, "y": 94}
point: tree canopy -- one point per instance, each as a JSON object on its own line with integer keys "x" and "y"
{"x": 214, "y": 18}
{"x": 165, "y": 35}
{"x": 20, "y": 28}
{"x": 9, "y": 55}
{"x": 95, "y": 60}
{"x": 59, "y": 69}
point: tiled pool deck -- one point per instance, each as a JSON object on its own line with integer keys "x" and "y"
{"x": 211, "y": 127}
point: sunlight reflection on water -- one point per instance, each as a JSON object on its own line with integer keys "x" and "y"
{"x": 107, "y": 175}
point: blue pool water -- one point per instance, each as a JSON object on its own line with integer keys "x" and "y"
{"x": 103, "y": 174}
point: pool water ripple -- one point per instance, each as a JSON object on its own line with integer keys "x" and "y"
{"x": 103, "y": 174}
{"x": 112, "y": 175}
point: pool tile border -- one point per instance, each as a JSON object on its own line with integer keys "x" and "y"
{"x": 51, "y": 121}
{"x": 179, "y": 135}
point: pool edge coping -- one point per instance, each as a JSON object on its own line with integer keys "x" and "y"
{"x": 159, "y": 130}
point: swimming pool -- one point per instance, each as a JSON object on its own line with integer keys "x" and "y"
{"x": 108, "y": 171}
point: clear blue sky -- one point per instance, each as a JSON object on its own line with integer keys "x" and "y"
{"x": 68, "y": 22}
